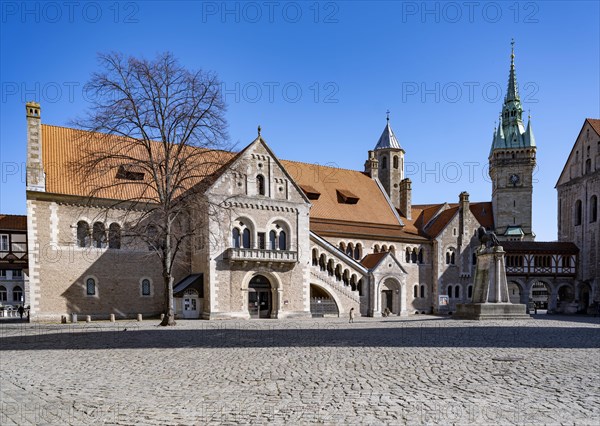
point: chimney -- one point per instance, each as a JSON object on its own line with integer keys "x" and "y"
{"x": 406, "y": 198}
{"x": 463, "y": 199}
{"x": 372, "y": 165}
{"x": 36, "y": 178}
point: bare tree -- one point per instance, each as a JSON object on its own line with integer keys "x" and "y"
{"x": 159, "y": 135}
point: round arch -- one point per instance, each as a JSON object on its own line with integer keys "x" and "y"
{"x": 319, "y": 305}
{"x": 390, "y": 295}
{"x": 274, "y": 289}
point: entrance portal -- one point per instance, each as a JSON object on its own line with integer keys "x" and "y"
{"x": 259, "y": 297}
{"x": 190, "y": 304}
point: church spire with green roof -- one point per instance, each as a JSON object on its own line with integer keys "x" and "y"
{"x": 511, "y": 132}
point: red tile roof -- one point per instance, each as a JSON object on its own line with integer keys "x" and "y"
{"x": 10, "y": 222}
{"x": 372, "y": 260}
{"x": 595, "y": 123}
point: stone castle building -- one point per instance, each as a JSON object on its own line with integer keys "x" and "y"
{"x": 291, "y": 240}
{"x": 578, "y": 190}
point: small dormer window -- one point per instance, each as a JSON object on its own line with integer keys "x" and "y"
{"x": 346, "y": 197}
{"x": 311, "y": 193}
{"x": 130, "y": 172}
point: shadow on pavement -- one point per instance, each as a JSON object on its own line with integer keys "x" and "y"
{"x": 310, "y": 334}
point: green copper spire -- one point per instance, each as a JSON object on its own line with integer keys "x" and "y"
{"x": 511, "y": 131}
{"x": 512, "y": 92}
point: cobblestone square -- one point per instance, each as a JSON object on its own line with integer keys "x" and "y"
{"x": 414, "y": 371}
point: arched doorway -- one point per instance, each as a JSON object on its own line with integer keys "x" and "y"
{"x": 390, "y": 297}
{"x": 260, "y": 299}
{"x": 515, "y": 292}
{"x": 321, "y": 303}
{"x": 540, "y": 295}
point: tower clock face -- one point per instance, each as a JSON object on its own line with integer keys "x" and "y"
{"x": 514, "y": 179}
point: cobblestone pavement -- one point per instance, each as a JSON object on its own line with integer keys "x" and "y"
{"x": 418, "y": 370}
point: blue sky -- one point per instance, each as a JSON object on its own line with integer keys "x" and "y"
{"x": 319, "y": 77}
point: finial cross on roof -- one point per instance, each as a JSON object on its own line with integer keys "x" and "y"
{"x": 387, "y": 115}
{"x": 259, "y": 129}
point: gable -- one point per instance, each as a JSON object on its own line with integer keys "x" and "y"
{"x": 575, "y": 163}
{"x": 256, "y": 172}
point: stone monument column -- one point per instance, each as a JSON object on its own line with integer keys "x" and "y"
{"x": 490, "y": 289}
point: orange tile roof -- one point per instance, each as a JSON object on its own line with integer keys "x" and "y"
{"x": 9, "y": 222}
{"x": 371, "y": 260}
{"x": 441, "y": 221}
{"x": 63, "y": 150}
{"x": 372, "y": 206}
{"x": 338, "y": 228}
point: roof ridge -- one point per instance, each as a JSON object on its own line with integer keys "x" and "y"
{"x": 321, "y": 165}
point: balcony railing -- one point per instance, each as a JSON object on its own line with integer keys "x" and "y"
{"x": 259, "y": 255}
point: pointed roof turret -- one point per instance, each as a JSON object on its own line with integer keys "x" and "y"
{"x": 529, "y": 138}
{"x": 388, "y": 139}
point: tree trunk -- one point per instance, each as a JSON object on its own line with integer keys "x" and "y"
{"x": 169, "y": 318}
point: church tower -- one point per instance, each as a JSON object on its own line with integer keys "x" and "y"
{"x": 388, "y": 164}
{"x": 512, "y": 162}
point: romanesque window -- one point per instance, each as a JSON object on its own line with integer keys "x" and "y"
{"x": 17, "y": 294}
{"x": 422, "y": 290}
{"x": 593, "y": 208}
{"x": 395, "y": 161}
{"x": 99, "y": 235}
{"x": 90, "y": 287}
{"x": 146, "y": 289}
{"x": 566, "y": 261}
{"x": 407, "y": 255}
{"x": 457, "y": 292}
{"x": 470, "y": 291}
{"x": 450, "y": 293}
{"x": 315, "y": 257}
{"x": 588, "y": 165}
{"x": 349, "y": 250}
{"x": 260, "y": 184}
{"x": 578, "y": 213}
{"x": 322, "y": 263}
{"x": 384, "y": 162}
{"x": 415, "y": 291}
{"x": 114, "y": 236}
{"x": 3, "y": 294}
{"x": 474, "y": 258}
{"x": 450, "y": 256}
{"x": 246, "y": 238}
{"x": 357, "y": 252}
{"x": 272, "y": 240}
{"x": 420, "y": 256}
{"x": 360, "y": 287}
{"x": 83, "y": 234}
{"x": 413, "y": 256}
{"x": 282, "y": 241}
{"x": 235, "y": 238}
